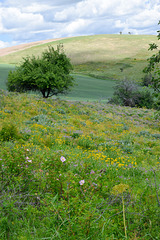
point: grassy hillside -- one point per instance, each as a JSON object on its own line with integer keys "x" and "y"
{"x": 90, "y": 89}
{"x": 74, "y": 170}
{"x": 99, "y": 55}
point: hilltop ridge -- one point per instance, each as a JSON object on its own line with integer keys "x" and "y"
{"x": 9, "y": 50}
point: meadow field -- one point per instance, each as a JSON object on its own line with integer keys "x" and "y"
{"x": 77, "y": 170}
{"x": 80, "y": 169}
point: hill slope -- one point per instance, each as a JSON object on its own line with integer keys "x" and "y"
{"x": 102, "y": 56}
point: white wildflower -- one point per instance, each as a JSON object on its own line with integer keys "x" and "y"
{"x": 81, "y": 182}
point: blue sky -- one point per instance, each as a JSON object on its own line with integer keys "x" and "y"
{"x": 23, "y": 21}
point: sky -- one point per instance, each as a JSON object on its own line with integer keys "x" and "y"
{"x": 24, "y": 21}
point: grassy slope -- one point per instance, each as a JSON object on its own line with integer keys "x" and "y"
{"x": 105, "y": 146}
{"x": 99, "y": 55}
{"x": 88, "y": 88}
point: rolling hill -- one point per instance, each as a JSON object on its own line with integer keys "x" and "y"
{"x": 100, "y": 57}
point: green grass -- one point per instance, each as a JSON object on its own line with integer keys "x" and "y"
{"x": 77, "y": 170}
{"x": 4, "y": 69}
{"x": 89, "y": 88}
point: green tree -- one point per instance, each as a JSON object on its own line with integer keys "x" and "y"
{"x": 153, "y": 68}
{"x": 48, "y": 74}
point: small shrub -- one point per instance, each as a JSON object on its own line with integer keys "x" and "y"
{"x": 144, "y": 99}
{"x": 144, "y": 133}
{"x": 86, "y": 142}
{"x": 41, "y": 119}
{"x": 147, "y": 80}
{"x": 156, "y": 135}
{"x": 61, "y": 111}
{"x": 127, "y": 94}
{"x": 9, "y": 132}
{"x": 157, "y": 103}
{"x": 77, "y": 134}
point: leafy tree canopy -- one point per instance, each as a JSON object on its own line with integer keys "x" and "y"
{"x": 48, "y": 74}
{"x": 154, "y": 67}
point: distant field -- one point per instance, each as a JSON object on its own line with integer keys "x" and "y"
{"x": 87, "y": 88}
{"x": 4, "y": 69}
{"x": 107, "y": 57}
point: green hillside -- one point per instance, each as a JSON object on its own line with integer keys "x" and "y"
{"x": 99, "y": 55}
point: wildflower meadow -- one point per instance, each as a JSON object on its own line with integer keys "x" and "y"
{"x": 77, "y": 170}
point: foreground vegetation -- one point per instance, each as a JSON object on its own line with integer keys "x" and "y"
{"x": 77, "y": 170}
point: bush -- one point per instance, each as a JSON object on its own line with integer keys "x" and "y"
{"x": 9, "y": 132}
{"x": 145, "y": 99}
{"x": 147, "y": 80}
{"x": 127, "y": 94}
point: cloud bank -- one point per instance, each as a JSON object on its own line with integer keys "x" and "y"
{"x": 29, "y": 21}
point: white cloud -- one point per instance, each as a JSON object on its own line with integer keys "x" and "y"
{"x": 14, "y": 18}
{"x": 4, "y": 44}
{"x": 33, "y": 20}
{"x": 124, "y": 14}
{"x": 143, "y": 22}
{"x": 36, "y": 7}
{"x": 97, "y": 8}
{"x": 84, "y": 9}
{"x": 77, "y": 26}
{"x": 1, "y": 24}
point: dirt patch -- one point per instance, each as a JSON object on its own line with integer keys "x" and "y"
{"x": 8, "y": 50}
